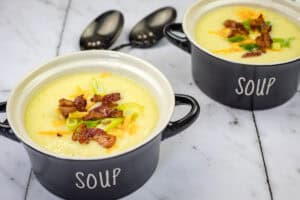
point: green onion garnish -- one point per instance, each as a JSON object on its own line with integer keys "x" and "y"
{"x": 113, "y": 122}
{"x": 284, "y": 43}
{"x": 268, "y": 23}
{"x": 131, "y": 109}
{"x": 250, "y": 47}
{"x": 96, "y": 87}
{"x": 247, "y": 25}
{"x": 91, "y": 123}
{"x": 72, "y": 124}
{"x": 237, "y": 38}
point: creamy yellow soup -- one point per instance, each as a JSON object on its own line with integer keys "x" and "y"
{"x": 43, "y": 121}
{"x": 211, "y": 34}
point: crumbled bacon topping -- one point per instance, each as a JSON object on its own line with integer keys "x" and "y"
{"x": 106, "y": 109}
{"x": 105, "y": 140}
{"x": 116, "y": 113}
{"x": 96, "y": 98}
{"x": 66, "y": 102}
{"x": 80, "y": 103}
{"x": 106, "y": 99}
{"x": 263, "y": 41}
{"x": 236, "y": 28}
{"x": 80, "y": 134}
{"x": 84, "y": 135}
{"x": 256, "y": 24}
{"x": 252, "y": 54}
{"x": 101, "y": 112}
{"x": 67, "y": 106}
{"x": 111, "y": 98}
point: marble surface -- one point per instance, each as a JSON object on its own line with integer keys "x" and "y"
{"x": 226, "y": 154}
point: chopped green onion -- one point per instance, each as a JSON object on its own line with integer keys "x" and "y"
{"x": 96, "y": 87}
{"x": 114, "y": 122}
{"x": 284, "y": 43}
{"x": 72, "y": 123}
{"x": 250, "y": 47}
{"x": 131, "y": 109}
{"x": 237, "y": 38}
{"x": 91, "y": 123}
{"x": 276, "y": 46}
{"x": 247, "y": 25}
{"x": 268, "y": 23}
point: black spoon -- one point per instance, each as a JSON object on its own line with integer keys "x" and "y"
{"x": 103, "y": 31}
{"x": 149, "y": 30}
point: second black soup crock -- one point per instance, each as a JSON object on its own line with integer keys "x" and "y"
{"x": 244, "y": 86}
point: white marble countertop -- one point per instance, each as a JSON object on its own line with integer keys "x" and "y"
{"x": 227, "y": 154}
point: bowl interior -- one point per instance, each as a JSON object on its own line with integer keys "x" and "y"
{"x": 115, "y": 62}
{"x": 199, "y": 8}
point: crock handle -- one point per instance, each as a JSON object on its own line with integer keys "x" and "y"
{"x": 174, "y": 127}
{"x": 5, "y": 129}
{"x": 174, "y": 33}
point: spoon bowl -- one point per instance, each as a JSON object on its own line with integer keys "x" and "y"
{"x": 149, "y": 30}
{"x": 103, "y": 31}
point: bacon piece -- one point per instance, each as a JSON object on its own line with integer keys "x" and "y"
{"x": 96, "y": 98}
{"x": 95, "y": 131}
{"x": 84, "y": 135}
{"x": 104, "y": 110}
{"x": 67, "y": 106}
{"x": 101, "y": 112}
{"x": 257, "y": 23}
{"x": 80, "y": 103}
{"x": 100, "y": 136}
{"x": 231, "y": 24}
{"x": 106, "y": 99}
{"x": 116, "y": 113}
{"x": 80, "y": 134}
{"x": 105, "y": 140}
{"x": 236, "y": 28}
{"x": 92, "y": 115}
{"x": 66, "y": 102}
{"x": 65, "y": 110}
{"x": 110, "y": 98}
{"x": 252, "y": 54}
{"x": 264, "y": 41}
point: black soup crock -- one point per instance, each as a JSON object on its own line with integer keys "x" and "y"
{"x": 108, "y": 177}
{"x": 244, "y": 86}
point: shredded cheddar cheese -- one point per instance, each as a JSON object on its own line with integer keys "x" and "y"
{"x": 90, "y": 104}
{"x": 58, "y": 122}
{"x": 132, "y": 128}
{"x": 246, "y": 13}
{"x": 224, "y": 32}
{"x": 126, "y": 122}
{"x": 79, "y": 91}
{"x": 77, "y": 114}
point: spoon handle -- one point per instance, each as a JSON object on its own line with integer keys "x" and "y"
{"x": 121, "y": 46}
